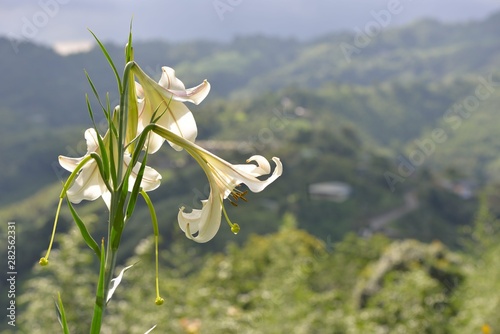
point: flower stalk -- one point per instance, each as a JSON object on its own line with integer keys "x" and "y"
{"x": 114, "y": 169}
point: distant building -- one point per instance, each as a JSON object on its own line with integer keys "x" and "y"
{"x": 330, "y": 191}
{"x": 463, "y": 188}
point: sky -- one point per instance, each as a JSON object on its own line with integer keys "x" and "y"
{"x": 65, "y": 23}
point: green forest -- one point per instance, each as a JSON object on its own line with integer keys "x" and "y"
{"x": 404, "y": 131}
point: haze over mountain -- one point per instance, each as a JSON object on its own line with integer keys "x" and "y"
{"x": 405, "y": 119}
{"x": 372, "y": 104}
{"x": 66, "y": 22}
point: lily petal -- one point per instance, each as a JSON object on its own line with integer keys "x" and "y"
{"x": 151, "y": 179}
{"x": 88, "y": 185}
{"x": 204, "y": 223}
{"x": 168, "y": 79}
{"x": 183, "y": 125}
{"x": 164, "y": 101}
{"x": 249, "y": 177}
{"x": 91, "y": 139}
{"x": 223, "y": 178}
{"x": 179, "y": 92}
{"x": 69, "y": 163}
{"x": 92, "y": 145}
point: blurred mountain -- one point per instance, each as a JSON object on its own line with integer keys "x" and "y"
{"x": 343, "y": 107}
{"x": 403, "y": 122}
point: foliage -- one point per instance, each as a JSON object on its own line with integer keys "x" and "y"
{"x": 282, "y": 282}
{"x": 72, "y": 274}
{"x": 329, "y": 120}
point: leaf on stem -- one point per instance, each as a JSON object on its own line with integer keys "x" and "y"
{"x": 61, "y": 314}
{"x": 137, "y": 187}
{"x": 83, "y": 230}
{"x": 110, "y": 61}
{"x": 105, "y": 110}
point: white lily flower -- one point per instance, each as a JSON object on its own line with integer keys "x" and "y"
{"x": 165, "y": 100}
{"x": 89, "y": 184}
{"x": 201, "y": 225}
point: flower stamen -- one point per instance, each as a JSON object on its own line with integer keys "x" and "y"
{"x": 237, "y": 194}
{"x": 45, "y": 260}
{"x": 235, "y": 228}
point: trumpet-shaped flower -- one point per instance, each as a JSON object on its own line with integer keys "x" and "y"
{"x": 201, "y": 225}
{"x": 164, "y": 102}
{"x": 89, "y": 184}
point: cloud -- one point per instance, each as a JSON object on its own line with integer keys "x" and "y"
{"x": 52, "y": 21}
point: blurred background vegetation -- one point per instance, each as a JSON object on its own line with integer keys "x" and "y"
{"x": 401, "y": 139}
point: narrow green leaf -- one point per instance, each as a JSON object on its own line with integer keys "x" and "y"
{"x": 61, "y": 314}
{"x": 111, "y": 123}
{"x": 110, "y": 61}
{"x": 124, "y": 194}
{"x": 131, "y": 110}
{"x": 102, "y": 147}
{"x": 58, "y": 313}
{"x": 83, "y": 230}
{"x": 98, "y": 98}
{"x": 129, "y": 51}
{"x": 137, "y": 187}
{"x": 112, "y": 162}
{"x": 123, "y": 115}
{"x": 102, "y": 170}
{"x": 130, "y": 101}
{"x": 154, "y": 117}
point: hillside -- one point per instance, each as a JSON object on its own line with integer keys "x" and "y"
{"x": 330, "y": 119}
{"x": 399, "y": 84}
{"x": 340, "y": 119}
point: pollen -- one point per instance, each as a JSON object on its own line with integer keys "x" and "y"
{"x": 237, "y": 195}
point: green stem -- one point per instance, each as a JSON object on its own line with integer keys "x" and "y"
{"x": 108, "y": 263}
{"x": 100, "y": 302}
{"x": 105, "y": 277}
